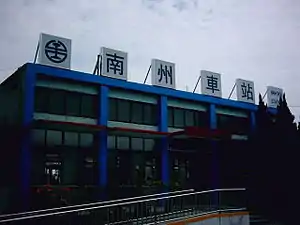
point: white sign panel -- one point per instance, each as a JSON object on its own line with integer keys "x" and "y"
{"x": 211, "y": 83}
{"x": 245, "y": 91}
{"x": 54, "y": 51}
{"x": 114, "y": 63}
{"x": 273, "y": 96}
{"x": 163, "y": 73}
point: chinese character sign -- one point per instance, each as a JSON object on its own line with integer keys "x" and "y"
{"x": 211, "y": 83}
{"x": 245, "y": 91}
{"x": 163, "y": 73}
{"x": 114, "y": 63}
{"x": 54, "y": 51}
{"x": 273, "y": 96}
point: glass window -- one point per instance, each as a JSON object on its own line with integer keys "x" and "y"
{"x": 73, "y": 104}
{"x": 112, "y": 109}
{"x": 38, "y": 137}
{"x": 57, "y": 102}
{"x": 123, "y": 143}
{"x": 170, "y": 117}
{"x": 123, "y": 112}
{"x": 148, "y": 144}
{"x": 137, "y": 144}
{"x": 137, "y": 112}
{"x": 86, "y": 140}
{"x": 41, "y": 99}
{"x": 202, "y": 119}
{"x": 89, "y": 106}
{"x": 54, "y": 138}
{"x": 71, "y": 139}
{"x": 150, "y": 114}
{"x": 189, "y": 118}
{"x": 111, "y": 142}
{"x": 178, "y": 118}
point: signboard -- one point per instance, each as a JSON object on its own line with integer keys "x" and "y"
{"x": 211, "y": 83}
{"x": 114, "y": 63}
{"x": 163, "y": 73}
{"x": 245, "y": 91}
{"x": 273, "y": 96}
{"x": 54, "y": 51}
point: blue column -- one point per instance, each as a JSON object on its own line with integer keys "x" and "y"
{"x": 28, "y": 109}
{"x": 163, "y": 127}
{"x": 102, "y": 120}
{"x": 215, "y": 162}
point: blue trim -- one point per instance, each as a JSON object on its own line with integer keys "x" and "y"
{"x": 28, "y": 109}
{"x": 163, "y": 127}
{"x": 103, "y": 118}
{"x": 89, "y": 78}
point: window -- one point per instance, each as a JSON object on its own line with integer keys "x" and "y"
{"x": 132, "y": 112}
{"x": 111, "y": 142}
{"x": 56, "y": 102}
{"x": 150, "y": 114}
{"x": 38, "y": 137}
{"x": 137, "y": 144}
{"x": 149, "y": 144}
{"x": 113, "y": 109}
{"x": 181, "y": 118}
{"x": 137, "y": 112}
{"x": 53, "y": 138}
{"x": 88, "y": 106}
{"x": 234, "y": 124}
{"x": 71, "y": 139}
{"x": 86, "y": 140}
{"x": 63, "y": 102}
{"x": 189, "y": 118}
{"x": 73, "y": 104}
{"x": 123, "y": 143}
{"x": 123, "y": 110}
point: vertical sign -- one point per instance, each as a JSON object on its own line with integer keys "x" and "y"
{"x": 211, "y": 83}
{"x": 163, "y": 73}
{"x": 114, "y": 63}
{"x": 245, "y": 91}
{"x": 54, "y": 51}
{"x": 273, "y": 96}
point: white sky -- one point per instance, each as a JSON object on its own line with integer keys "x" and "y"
{"x": 250, "y": 39}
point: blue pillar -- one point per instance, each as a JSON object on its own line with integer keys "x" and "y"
{"x": 163, "y": 127}
{"x": 28, "y": 109}
{"x": 215, "y": 161}
{"x": 102, "y": 121}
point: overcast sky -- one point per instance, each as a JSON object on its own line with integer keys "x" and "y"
{"x": 251, "y": 39}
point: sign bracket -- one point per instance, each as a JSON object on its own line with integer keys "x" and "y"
{"x": 231, "y": 92}
{"x": 147, "y": 74}
{"x": 197, "y": 83}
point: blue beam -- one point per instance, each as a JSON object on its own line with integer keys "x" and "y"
{"x": 28, "y": 109}
{"x": 163, "y": 127}
{"x": 89, "y": 78}
{"x": 102, "y": 120}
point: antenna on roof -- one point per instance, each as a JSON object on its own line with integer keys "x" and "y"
{"x": 199, "y": 78}
{"x": 147, "y": 74}
{"x": 36, "y": 52}
{"x": 98, "y": 65}
{"x": 232, "y": 90}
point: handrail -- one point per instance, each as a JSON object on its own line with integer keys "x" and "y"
{"x": 122, "y": 204}
{"x": 97, "y": 203}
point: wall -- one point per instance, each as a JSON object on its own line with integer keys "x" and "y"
{"x": 10, "y": 121}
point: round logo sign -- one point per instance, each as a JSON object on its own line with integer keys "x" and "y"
{"x": 56, "y": 51}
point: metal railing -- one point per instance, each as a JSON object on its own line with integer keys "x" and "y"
{"x": 93, "y": 204}
{"x": 144, "y": 211}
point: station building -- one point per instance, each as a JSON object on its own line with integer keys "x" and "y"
{"x": 71, "y": 129}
